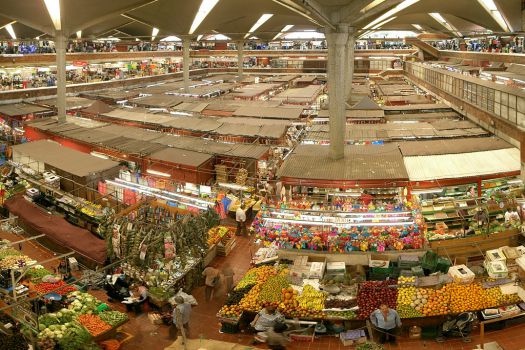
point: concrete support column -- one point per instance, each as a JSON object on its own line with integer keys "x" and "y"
{"x": 336, "y": 40}
{"x": 186, "y": 63}
{"x": 60, "y": 47}
{"x": 240, "y": 57}
{"x": 350, "y": 44}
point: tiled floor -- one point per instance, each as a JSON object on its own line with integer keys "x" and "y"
{"x": 204, "y": 323}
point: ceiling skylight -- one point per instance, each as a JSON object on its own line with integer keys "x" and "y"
{"x": 204, "y": 10}
{"x": 439, "y": 18}
{"x": 492, "y": 9}
{"x": 154, "y": 33}
{"x": 383, "y": 23}
{"x": 390, "y": 13}
{"x": 53, "y": 7}
{"x": 371, "y": 5}
{"x": 10, "y": 30}
{"x": 284, "y": 30}
{"x": 417, "y": 26}
{"x": 265, "y": 17}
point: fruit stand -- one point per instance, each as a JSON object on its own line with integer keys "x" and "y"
{"x": 338, "y": 293}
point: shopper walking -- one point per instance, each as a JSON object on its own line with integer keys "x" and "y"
{"x": 240, "y": 217}
{"x": 228, "y": 274}
{"x": 212, "y": 278}
{"x": 181, "y": 319}
{"x": 276, "y": 340}
{"x": 386, "y": 321}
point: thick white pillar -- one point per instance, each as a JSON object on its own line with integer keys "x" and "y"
{"x": 240, "y": 57}
{"x": 350, "y": 44}
{"x": 336, "y": 41}
{"x": 60, "y": 47}
{"x": 186, "y": 63}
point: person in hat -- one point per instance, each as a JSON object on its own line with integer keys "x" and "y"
{"x": 181, "y": 318}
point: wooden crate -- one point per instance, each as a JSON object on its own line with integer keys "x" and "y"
{"x": 224, "y": 250}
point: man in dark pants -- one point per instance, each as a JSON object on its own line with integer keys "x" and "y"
{"x": 386, "y": 320}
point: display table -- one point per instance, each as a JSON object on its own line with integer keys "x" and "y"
{"x": 473, "y": 245}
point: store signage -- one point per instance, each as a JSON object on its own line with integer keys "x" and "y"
{"x": 80, "y": 63}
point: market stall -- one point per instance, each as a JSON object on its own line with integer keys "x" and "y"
{"x": 337, "y": 294}
{"x": 165, "y": 246}
{"x": 60, "y": 234}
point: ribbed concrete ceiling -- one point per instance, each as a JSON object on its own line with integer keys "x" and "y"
{"x": 136, "y": 18}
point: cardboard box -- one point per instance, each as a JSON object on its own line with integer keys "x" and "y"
{"x": 496, "y": 255}
{"x": 378, "y": 261}
{"x": 155, "y": 318}
{"x": 352, "y": 337}
{"x": 317, "y": 270}
{"x": 461, "y": 274}
{"x": 300, "y": 260}
{"x": 335, "y": 267}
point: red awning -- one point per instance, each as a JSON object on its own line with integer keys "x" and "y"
{"x": 58, "y": 229}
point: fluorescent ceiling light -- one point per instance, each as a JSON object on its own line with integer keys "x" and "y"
{"x": 53, "y": 7}
{"x": 202, "y": 12}
{"x": 371, "y": 5}
{"x": 437, "y": 16}
{"x": 417, "y": 26}
{"x": 10, "y": 30}
{"x": 391, "y": 12}
{"x": 154, "y": 33}
{"x": 259, "y": 23}
{"x": 79, "y": 34}
{"x": 383, "y": 23}
{"x": 492, "y": 9}
{"x": 199, "y": 37}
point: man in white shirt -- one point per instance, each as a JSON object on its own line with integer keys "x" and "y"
{"x": 240, "y": 217}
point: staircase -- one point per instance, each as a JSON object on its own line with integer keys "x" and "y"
{"x": 427, "y": 49}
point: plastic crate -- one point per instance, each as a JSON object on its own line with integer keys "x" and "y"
{"x": 407, "y": 260}
{"x": 443, "y": 264}
{"x": 429, "y": 261}
{"x": 406, "y": 273}
{"x": 417, "y": 271}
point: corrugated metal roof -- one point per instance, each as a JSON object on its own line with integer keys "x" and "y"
{"x": 16, "y": 109}
{"x": 378, "y": 162}
{"x": 269, "y": 112}
{"x": 157, "y": 100}
{"x": 463, "y": 145}
{"x": 449, "y": 166}
{"x": 64, "y": 158}
{"x": 181, "y": 156}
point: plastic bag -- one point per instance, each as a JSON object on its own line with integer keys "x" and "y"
{"x": 188, "y": 298}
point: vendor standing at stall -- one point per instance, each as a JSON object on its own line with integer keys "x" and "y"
{"x": 63, "y": 270}
{"x": 386, "y": 321}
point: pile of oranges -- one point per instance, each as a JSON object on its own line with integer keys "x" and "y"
{"x": 437, "y": 302}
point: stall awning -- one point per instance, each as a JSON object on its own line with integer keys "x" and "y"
{"x": 453, "y": 166}
{"x": 361, "y": 163}
{"x": 58, "y": 229}
{"x": 63, "y": 158}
